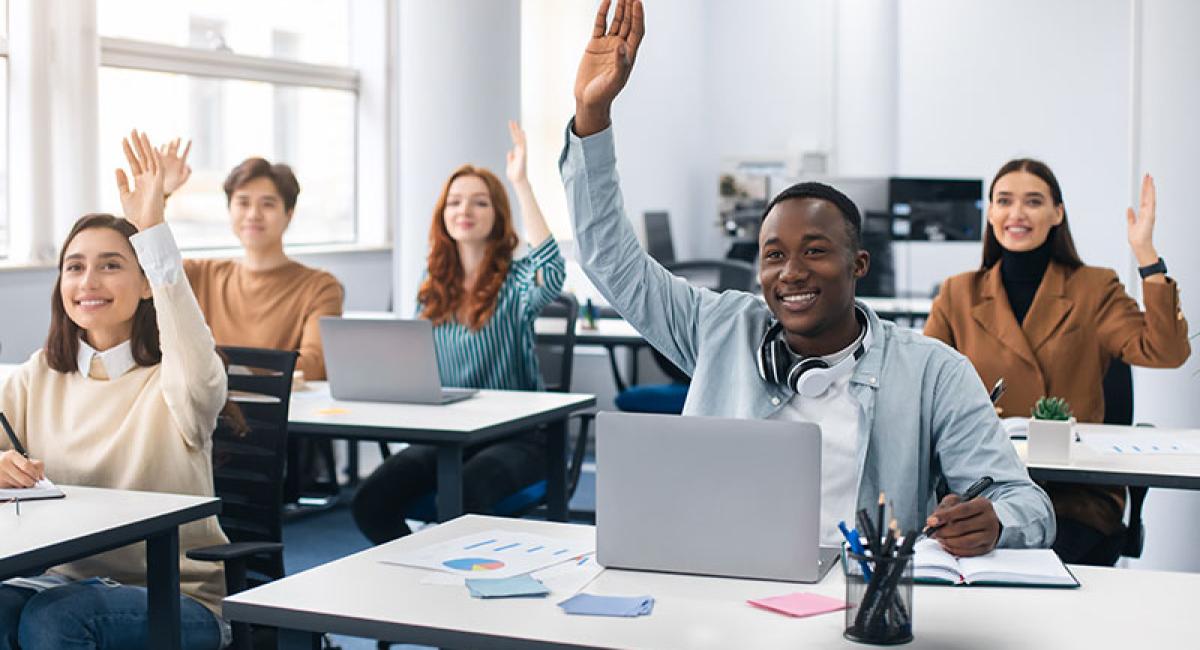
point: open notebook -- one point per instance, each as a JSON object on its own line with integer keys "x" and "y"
{"x": 1033, "y": 567}
{"x": 43, "y": 489}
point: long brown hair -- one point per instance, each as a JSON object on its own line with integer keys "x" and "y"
{"x": 62, "y": 343}
{"x": 441, "y": 293}
{"x": 1062, "y": 245}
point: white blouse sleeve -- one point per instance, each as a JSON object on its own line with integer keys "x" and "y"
{"x": 193, "y": 377}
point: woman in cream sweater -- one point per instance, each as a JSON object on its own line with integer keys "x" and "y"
{"x": 125, "y": 394}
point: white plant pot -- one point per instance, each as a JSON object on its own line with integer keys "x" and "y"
{"x": 1050, "y": 440}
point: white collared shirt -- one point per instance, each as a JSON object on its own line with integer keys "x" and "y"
{"x": 117, "y": 360}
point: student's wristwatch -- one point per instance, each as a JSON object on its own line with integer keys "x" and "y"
{"x": 1158, "y": 267}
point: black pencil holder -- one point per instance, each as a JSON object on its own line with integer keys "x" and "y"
{"x": 879, "y": 610}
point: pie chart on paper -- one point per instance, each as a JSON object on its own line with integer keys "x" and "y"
{"x": 474, "y": 564}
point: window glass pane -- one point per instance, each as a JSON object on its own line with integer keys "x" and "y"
{"x": 318, "y": 29}
{"x": 228, "y": 121}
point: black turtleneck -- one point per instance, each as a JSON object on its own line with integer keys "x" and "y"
{"x": 1022, "y": 273}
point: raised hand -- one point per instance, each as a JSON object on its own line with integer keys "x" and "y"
{"x": 176, "y": 171}
{"x": 606, "y": 64}
{"x": 516, "y": 156}
{"x": 144, "y": 203}
{"x": 1141, "y": 224}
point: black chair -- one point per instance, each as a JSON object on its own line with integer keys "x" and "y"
{"x": 1118, "y": 409}
{"x": 556, "y": 358}
{"x": 248, "y": 470}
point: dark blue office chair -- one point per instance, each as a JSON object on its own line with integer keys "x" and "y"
{"x": 719, "y": 275}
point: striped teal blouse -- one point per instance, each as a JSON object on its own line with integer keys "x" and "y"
{"x": 501, "y": 354}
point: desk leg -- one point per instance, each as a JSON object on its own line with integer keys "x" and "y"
{"x": 449, "y": 482}
{"x": 162, "y": 587}
{"x": 556, "y": 470}
{"x": 297, "y": 640}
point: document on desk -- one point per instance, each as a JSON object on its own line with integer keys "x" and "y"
{"x": 1150, "y": 442}
{"x": 1027, "y": 567}
{"x": 43, "y": 489}
{"x": 492, "y": 554}
{"x": 563, "y": 580}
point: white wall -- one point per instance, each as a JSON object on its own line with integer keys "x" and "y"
{"x": 459, "y": 83}
{"x": 1168, "y": 139}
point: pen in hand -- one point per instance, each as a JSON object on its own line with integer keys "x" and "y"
{"x": 12, "y": 436}
{"x": 17, "y": 446}
{"x": 997, "y": 390}
{"x": 975, "y": 490}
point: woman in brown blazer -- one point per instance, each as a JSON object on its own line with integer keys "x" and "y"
{"x": 1035, "y": 315}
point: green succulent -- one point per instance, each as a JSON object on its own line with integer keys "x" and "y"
{"x": 1052, "y": 408}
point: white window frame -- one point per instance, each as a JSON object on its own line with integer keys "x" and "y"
{"x": 54, "y": 56}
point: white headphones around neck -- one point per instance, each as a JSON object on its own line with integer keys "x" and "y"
{"x": 809, "y": 377}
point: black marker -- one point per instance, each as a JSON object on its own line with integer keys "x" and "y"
{"x": 975, "y": 490}
{"x": 12, "y": 436}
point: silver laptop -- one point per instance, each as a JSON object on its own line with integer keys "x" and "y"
{"x": 712, "y": 496}
{"x": 384, "y": 360}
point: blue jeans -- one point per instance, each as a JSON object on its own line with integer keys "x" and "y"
{"x": 93, "y": 614}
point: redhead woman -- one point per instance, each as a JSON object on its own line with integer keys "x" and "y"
{"x": 125, "y": 394}
{"x": 482, "y": 303}
{"x": 1037, "y": 316}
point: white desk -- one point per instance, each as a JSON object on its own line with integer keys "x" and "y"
{"x": 358, "y": 596}
{"x": 489, "y": 415}
{"x": 1179, "y": 471}
{"x": 608, "y": 331}
{"x": 93, "y": 520}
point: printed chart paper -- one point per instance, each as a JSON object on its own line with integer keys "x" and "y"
{"x": 492, "y": 554}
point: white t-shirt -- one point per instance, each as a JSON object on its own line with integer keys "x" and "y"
{"x": 836, "y": 411}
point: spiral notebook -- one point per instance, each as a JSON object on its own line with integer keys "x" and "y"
{"x": 43, "y": 489}
{"x": 1025, "y": 567}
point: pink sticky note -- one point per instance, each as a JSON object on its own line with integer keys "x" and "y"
{"x": 799, "y": 604}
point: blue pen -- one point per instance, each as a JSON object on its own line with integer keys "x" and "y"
{"x": 856, "y": 546}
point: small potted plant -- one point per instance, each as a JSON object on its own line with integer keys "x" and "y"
{"x": 1051, "y": 431}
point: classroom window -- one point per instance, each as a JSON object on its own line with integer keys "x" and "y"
{"x": 238, "y": 79}
{"x": 321, "y": 28}
{"x": 229, "y": 120}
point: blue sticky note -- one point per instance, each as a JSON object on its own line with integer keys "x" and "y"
{"x": 593, "y": 605}
{"x": 521, "y": 585}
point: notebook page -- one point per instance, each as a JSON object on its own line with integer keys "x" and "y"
{"x": 932, "y": 562}
{"x": 1031, "y": 566}
{"x": 43, "y": 489}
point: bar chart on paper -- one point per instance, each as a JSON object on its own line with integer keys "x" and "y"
{"x": 494, "y": 553}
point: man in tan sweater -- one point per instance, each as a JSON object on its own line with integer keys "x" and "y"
{"x": 265, "y": 299}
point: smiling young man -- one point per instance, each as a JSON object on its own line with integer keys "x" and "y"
{"x": 899, "y": 413}
{"x": 265, "y": 299}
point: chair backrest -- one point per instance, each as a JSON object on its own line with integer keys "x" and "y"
{"x": 658, "y": 236}
{"x": 718, "y": 275}
{"x": 248, "y": 467}
{"x": 556, "y": 352}
{"x": 1118, "y": 393}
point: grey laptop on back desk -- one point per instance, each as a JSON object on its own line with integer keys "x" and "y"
{"x": 384, "y": 360}
{"x": 711, "y": 496}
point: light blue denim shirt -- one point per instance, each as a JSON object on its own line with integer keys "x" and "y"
{"x": 924, "y": 413}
